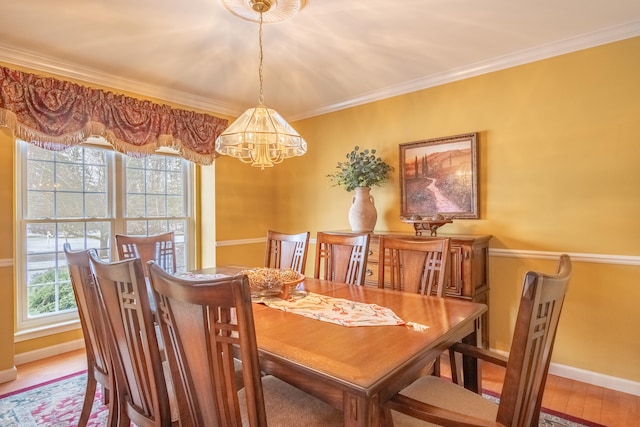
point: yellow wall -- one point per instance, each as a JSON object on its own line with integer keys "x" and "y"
{"x": 559, "y": 148}
{"x": 7, "y": 300}
{"x": 558, "y": 154}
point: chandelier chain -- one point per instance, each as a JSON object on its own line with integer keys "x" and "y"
{"x": 261, "y": 94}
{"x": 260, "y": 136}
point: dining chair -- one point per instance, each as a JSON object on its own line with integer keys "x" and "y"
{"x": 140, "y": 378}
{"x": 160, "y": 248}
{"x": 99, "y": 368}
{"x": 434, "y": 400}
{"x": 414, "y": 265}
{"x": 341, "y": 257}
{"x": 417, "y": 266}
{"x": 205, "y": 323}
{"x": 286, "y": 250}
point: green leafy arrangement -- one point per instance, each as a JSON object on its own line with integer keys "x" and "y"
{"x": 362, "y": 169}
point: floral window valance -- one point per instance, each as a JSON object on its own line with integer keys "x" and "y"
{"x": 55, "y": 114}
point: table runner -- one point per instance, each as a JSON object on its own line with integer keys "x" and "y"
{"x": 336, "y": 310}
{"x": 324, "y": 308}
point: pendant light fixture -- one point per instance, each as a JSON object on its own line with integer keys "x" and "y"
{"x": 260, "y": 136}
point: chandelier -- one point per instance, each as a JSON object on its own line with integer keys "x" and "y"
{"x": 260, "y": 136}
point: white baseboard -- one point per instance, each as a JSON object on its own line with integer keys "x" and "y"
{"x": 594, "y": 378}
{"x": 53, "y": 350}
{"x": 8, "y": 375}
{"x": 588, "y": 377}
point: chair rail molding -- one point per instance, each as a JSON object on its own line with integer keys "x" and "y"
{"x": 6, "y": 262}
{"x": 505, "y": 253}
{"x": 575, "y": 256}
{"x": 237, "y": 242}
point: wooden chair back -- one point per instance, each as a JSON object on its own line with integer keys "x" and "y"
{"x": 140, "y": 382}
{"x": 535, "y": 331}
{"x": 160, "y": 248}
{"x": 287, "y": 250}
{"x": 439, "y": 402}
{"x": 99, "y": 369}
{"x": 414, "y": 265}
{"x": 342, "y": 257}
{"x": 203, "y": 323}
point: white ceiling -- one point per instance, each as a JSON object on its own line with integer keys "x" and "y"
{"x": 331, "y": 55}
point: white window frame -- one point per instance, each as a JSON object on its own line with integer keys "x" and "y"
{"x": 27, "y": 328}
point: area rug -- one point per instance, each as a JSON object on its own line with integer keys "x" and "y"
{"x": 58, "y": 403}
{"x": 55, "y": 403}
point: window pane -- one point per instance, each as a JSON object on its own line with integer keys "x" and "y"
{"x": 156, "y": 162}
{"x": 135, "y": 180}
{"x": 95, "y": 178}
{"x": 156, "y": 227}
{"x": 175, "y": 184}
{"x": 40, "y": 205}
{"x": 40, "y": 175}
{"x": 35, "y": 152}
{"x": 156, "y": 206}
{"x": 98, "y": 235}
{"x": 95, "y": 157}
{"x": 69, "y": 205}
{"x": 175, "y": 206}
{"x": 40, "y": 238}
{"x": 155, "y": 181}
{"x": 72, "y": 155}
{"x": 45, "y": 285}
{"x": 135, "y": 206}
{"x": 96, "y": 205}
{"x": 69, "y": 177}
{"x": 174, "y": 164}
{"x": 137, "y": 228}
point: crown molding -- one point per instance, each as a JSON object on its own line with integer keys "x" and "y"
{"x": 538, "y": 53}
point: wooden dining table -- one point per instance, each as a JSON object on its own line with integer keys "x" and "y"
{"x": 358, "y": 369}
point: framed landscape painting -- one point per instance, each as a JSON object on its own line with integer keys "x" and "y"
{"x": 439, "y": 177}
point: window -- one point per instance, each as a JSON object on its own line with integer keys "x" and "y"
{"x": 84, "y": 196}
{"x": 155, "y": 199}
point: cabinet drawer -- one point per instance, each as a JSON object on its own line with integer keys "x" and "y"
{"x": 374, "y": 251}
{"x": 371, "y": 274}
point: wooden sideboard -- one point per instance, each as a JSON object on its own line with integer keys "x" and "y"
{"x": 469, "y": 268}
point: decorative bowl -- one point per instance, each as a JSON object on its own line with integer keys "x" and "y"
{"x": 272, "y": 282}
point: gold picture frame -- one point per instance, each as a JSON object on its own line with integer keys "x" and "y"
{"x": 439, "y": 177}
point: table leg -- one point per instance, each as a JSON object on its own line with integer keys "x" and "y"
{"x": 361, "y": 412}
{"x": 471, "y": 367}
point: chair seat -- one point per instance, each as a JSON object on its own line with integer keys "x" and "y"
{"x": 288, "y": 406}
{"x": 444, "y": 394}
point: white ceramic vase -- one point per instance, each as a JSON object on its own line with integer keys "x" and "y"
{"x": 362, "y": 214}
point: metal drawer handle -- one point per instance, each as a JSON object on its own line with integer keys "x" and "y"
{"x": 368, "y": 272}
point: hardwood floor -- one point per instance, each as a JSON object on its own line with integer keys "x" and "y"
{"x": 592, "y": 403}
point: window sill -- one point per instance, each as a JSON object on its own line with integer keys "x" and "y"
{"x": 43, "y": 331}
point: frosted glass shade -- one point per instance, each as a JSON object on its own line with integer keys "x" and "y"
{"x": 261, "y": 136}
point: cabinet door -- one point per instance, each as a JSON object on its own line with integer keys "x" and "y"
{"x": 454, "y": 286}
